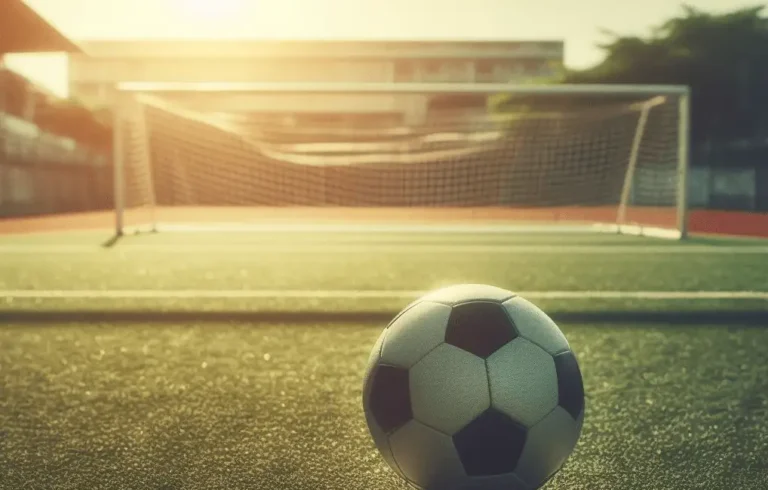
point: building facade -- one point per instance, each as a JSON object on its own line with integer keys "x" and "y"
{"x": 94, "y": 74}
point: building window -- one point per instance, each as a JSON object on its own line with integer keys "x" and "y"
{"x": 533, "y": 66}
{"x": 404, "y": 71}
{"x": 485, "y": 67}
{"x": 432, "y": 67}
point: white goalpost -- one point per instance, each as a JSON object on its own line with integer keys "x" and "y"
{"x": 402, "y": 157}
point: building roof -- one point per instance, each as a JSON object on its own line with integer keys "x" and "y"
{"x": 22, "y": 30}
{"x": 279, "y": 48}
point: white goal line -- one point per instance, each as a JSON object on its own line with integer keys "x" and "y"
{"x": 368, "y": 247}
{"x": 354, "y": 294}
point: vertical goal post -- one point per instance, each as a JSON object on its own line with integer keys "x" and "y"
{"x": 129, "y": 94}
{"x": 683, "y": 163}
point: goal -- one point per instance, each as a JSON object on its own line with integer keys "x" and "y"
{"x": 460, "y": 157}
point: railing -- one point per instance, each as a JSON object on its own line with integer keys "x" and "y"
{"x": 42, "y": 173}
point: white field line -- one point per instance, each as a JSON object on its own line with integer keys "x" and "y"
{"x": 161, "y": 294}
{"x": 481, "y": 227}
{"x": 368, "y": 248}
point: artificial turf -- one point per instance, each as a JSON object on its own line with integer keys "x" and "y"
{"x": 163, "y": 393}
{"x": 277, "y": 406}
{"x": 402, "y": 266}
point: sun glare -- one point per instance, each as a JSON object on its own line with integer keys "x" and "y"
{"x": 210, "y": 9}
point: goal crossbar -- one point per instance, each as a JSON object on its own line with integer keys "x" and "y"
{"x": 406, "y": 88}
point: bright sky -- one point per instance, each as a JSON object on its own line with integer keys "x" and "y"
{"x": 578, "y": 22}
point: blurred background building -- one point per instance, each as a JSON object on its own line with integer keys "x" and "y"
{"x": 93, "y": 73}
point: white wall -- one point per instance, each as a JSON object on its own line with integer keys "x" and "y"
{"x": 713, "y": 187}
{"x": 90, "y": 70}
{"x": 708, "y": 187}
{"x": 93, "y": 75}
{"x": 410, "y": 105}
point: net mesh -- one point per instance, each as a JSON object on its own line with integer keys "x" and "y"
{"x": 567, "y": 159}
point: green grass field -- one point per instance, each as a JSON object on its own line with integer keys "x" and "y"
{"x": 209, "y": 361}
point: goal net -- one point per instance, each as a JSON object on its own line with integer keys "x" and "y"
{"x": 425, "y": 156}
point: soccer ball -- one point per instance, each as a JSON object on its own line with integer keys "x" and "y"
{"x": 473, "y": 387}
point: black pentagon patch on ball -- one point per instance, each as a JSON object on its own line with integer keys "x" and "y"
{"x": 479, "y": 327}
{"x": 390, "y": 398}
{"x": 570, "y": 386}
{"x": 491, "y": 444}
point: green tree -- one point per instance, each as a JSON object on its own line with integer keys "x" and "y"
{"x": 722, "y": 57}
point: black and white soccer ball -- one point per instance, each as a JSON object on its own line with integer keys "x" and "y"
{"x": 473, "y": 387}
